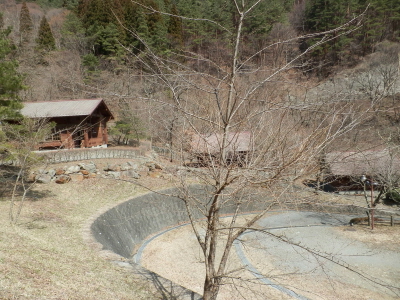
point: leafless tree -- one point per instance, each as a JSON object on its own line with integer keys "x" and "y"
{"x": 17, "y": 143}
{"x": 252, "y": 130}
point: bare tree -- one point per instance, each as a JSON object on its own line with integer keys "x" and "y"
{"x": 254, "y": 133}
{"x": 17, "y": 143}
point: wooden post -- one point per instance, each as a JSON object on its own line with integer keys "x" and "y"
{"x": 86, "y": 137}
{"x": 391, "y": 221}
{"x": 372, "y": 205}
{"x": 105, "y": 135}
{"x": 100, "y": 131}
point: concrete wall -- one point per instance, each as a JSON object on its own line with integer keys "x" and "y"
{"x": 128, "y": 224}
{"x": 123, "y": 228}
{"x": 88, "y": 154}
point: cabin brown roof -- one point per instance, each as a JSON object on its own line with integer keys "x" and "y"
{"x": 62, "y": 108}
{"x": 358, "y": 163}
{"x": 236, "y": 142}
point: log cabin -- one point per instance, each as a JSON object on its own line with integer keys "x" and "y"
{"x": 80, "y": 123}
{"x": 207, "y": 147}
{"x": 343, "y": 170}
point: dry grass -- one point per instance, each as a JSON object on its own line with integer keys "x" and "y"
{"x": 48, "y": 254}
{"x": 383, "y": 236}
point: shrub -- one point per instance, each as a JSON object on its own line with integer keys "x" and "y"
{"x": 393, "y": 196}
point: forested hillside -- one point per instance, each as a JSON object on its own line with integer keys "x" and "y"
{"x": 69, "y": 49}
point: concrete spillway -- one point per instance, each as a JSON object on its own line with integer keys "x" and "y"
{"x": 124, "y": 228}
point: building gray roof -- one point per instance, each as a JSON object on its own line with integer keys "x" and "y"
{"x": 236, "y": 142}
{"x": 356, "y": 163}
{"x": 60, "y": 108}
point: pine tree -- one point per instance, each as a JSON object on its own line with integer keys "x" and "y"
{"x": 45, "y": 40}
{"x": 10, "y": 79}
{"x": 175, "y": 26}
{"x": 73, "y": 34}
{"x": 1, "y": 21}
{"x": 25, "y": 23}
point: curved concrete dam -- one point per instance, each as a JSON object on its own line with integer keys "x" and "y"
{"x": 124, "y": 228}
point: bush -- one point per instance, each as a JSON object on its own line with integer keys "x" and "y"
{"x": 393, "y": 196}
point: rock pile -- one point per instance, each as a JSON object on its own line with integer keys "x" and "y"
{"x": 79, "y": 172}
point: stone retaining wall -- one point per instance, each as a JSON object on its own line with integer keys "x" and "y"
{"x": 69, "y": 155}
{"x": 88, "y": 154}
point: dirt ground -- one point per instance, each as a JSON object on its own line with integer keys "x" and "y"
{"x": 176, "y": 255}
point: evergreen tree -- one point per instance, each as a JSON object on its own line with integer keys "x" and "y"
{"x": 45, "y": 40}
{"x": 104, "y": 22}
{"x": 136, "y": 25}
{"x": 10, "y": 79}
{"x": 108, "y": 42}
{"x": 25, "y": 23}
{"x": 381, "y": 21}
{"x": 1, "y": 21}
{"x": 73, "y": 34}
{"x": 70, "y": 4}
{"x": 175, "y": 26}
{"x": 94, "y": 12}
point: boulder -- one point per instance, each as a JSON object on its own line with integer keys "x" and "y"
{"x": 85, "y": 172}
{"x": 158, "y": 166}
{"x": 113, "y": 168}
{"x": 61, "y": 179}
{"x": 91, "y": 167}
{"x": 130, "y": 174}
{"x": 76, "y": 176}
{"x": 43, "y": 178}
{"x": 126, "y": 167}
{"x": 60, "y": 171}
{"x": 151, "y": 165}
{"x": 41, "y": 171}
{"x": 31, "y": 177}
{"x": 72, "y": 169}
{"x": 112, "y": 174}
{"x": 51, "y": 172}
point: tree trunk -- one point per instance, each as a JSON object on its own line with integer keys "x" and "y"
{"x": 211, "y": 289}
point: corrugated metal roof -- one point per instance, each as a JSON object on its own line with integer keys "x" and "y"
{"x": 359, "y": 163}
{"x": 236, "y": 142}
{"x": 64, "y": 108}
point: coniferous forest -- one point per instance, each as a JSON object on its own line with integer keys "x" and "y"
{"x": 106, "y": 28}
{"x": 132, "y": 23}
{"x": 68, "y": 49}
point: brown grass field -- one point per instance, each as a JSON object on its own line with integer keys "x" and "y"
{"x": 48, "y": 254}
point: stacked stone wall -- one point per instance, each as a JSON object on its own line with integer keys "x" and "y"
{"x": 89, "y": 154}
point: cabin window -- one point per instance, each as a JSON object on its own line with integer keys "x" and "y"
{"x": 94, "y": 132}
{"x": 54, "y": 136}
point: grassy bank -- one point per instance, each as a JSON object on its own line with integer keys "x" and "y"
{"x": 49, "y": 254}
